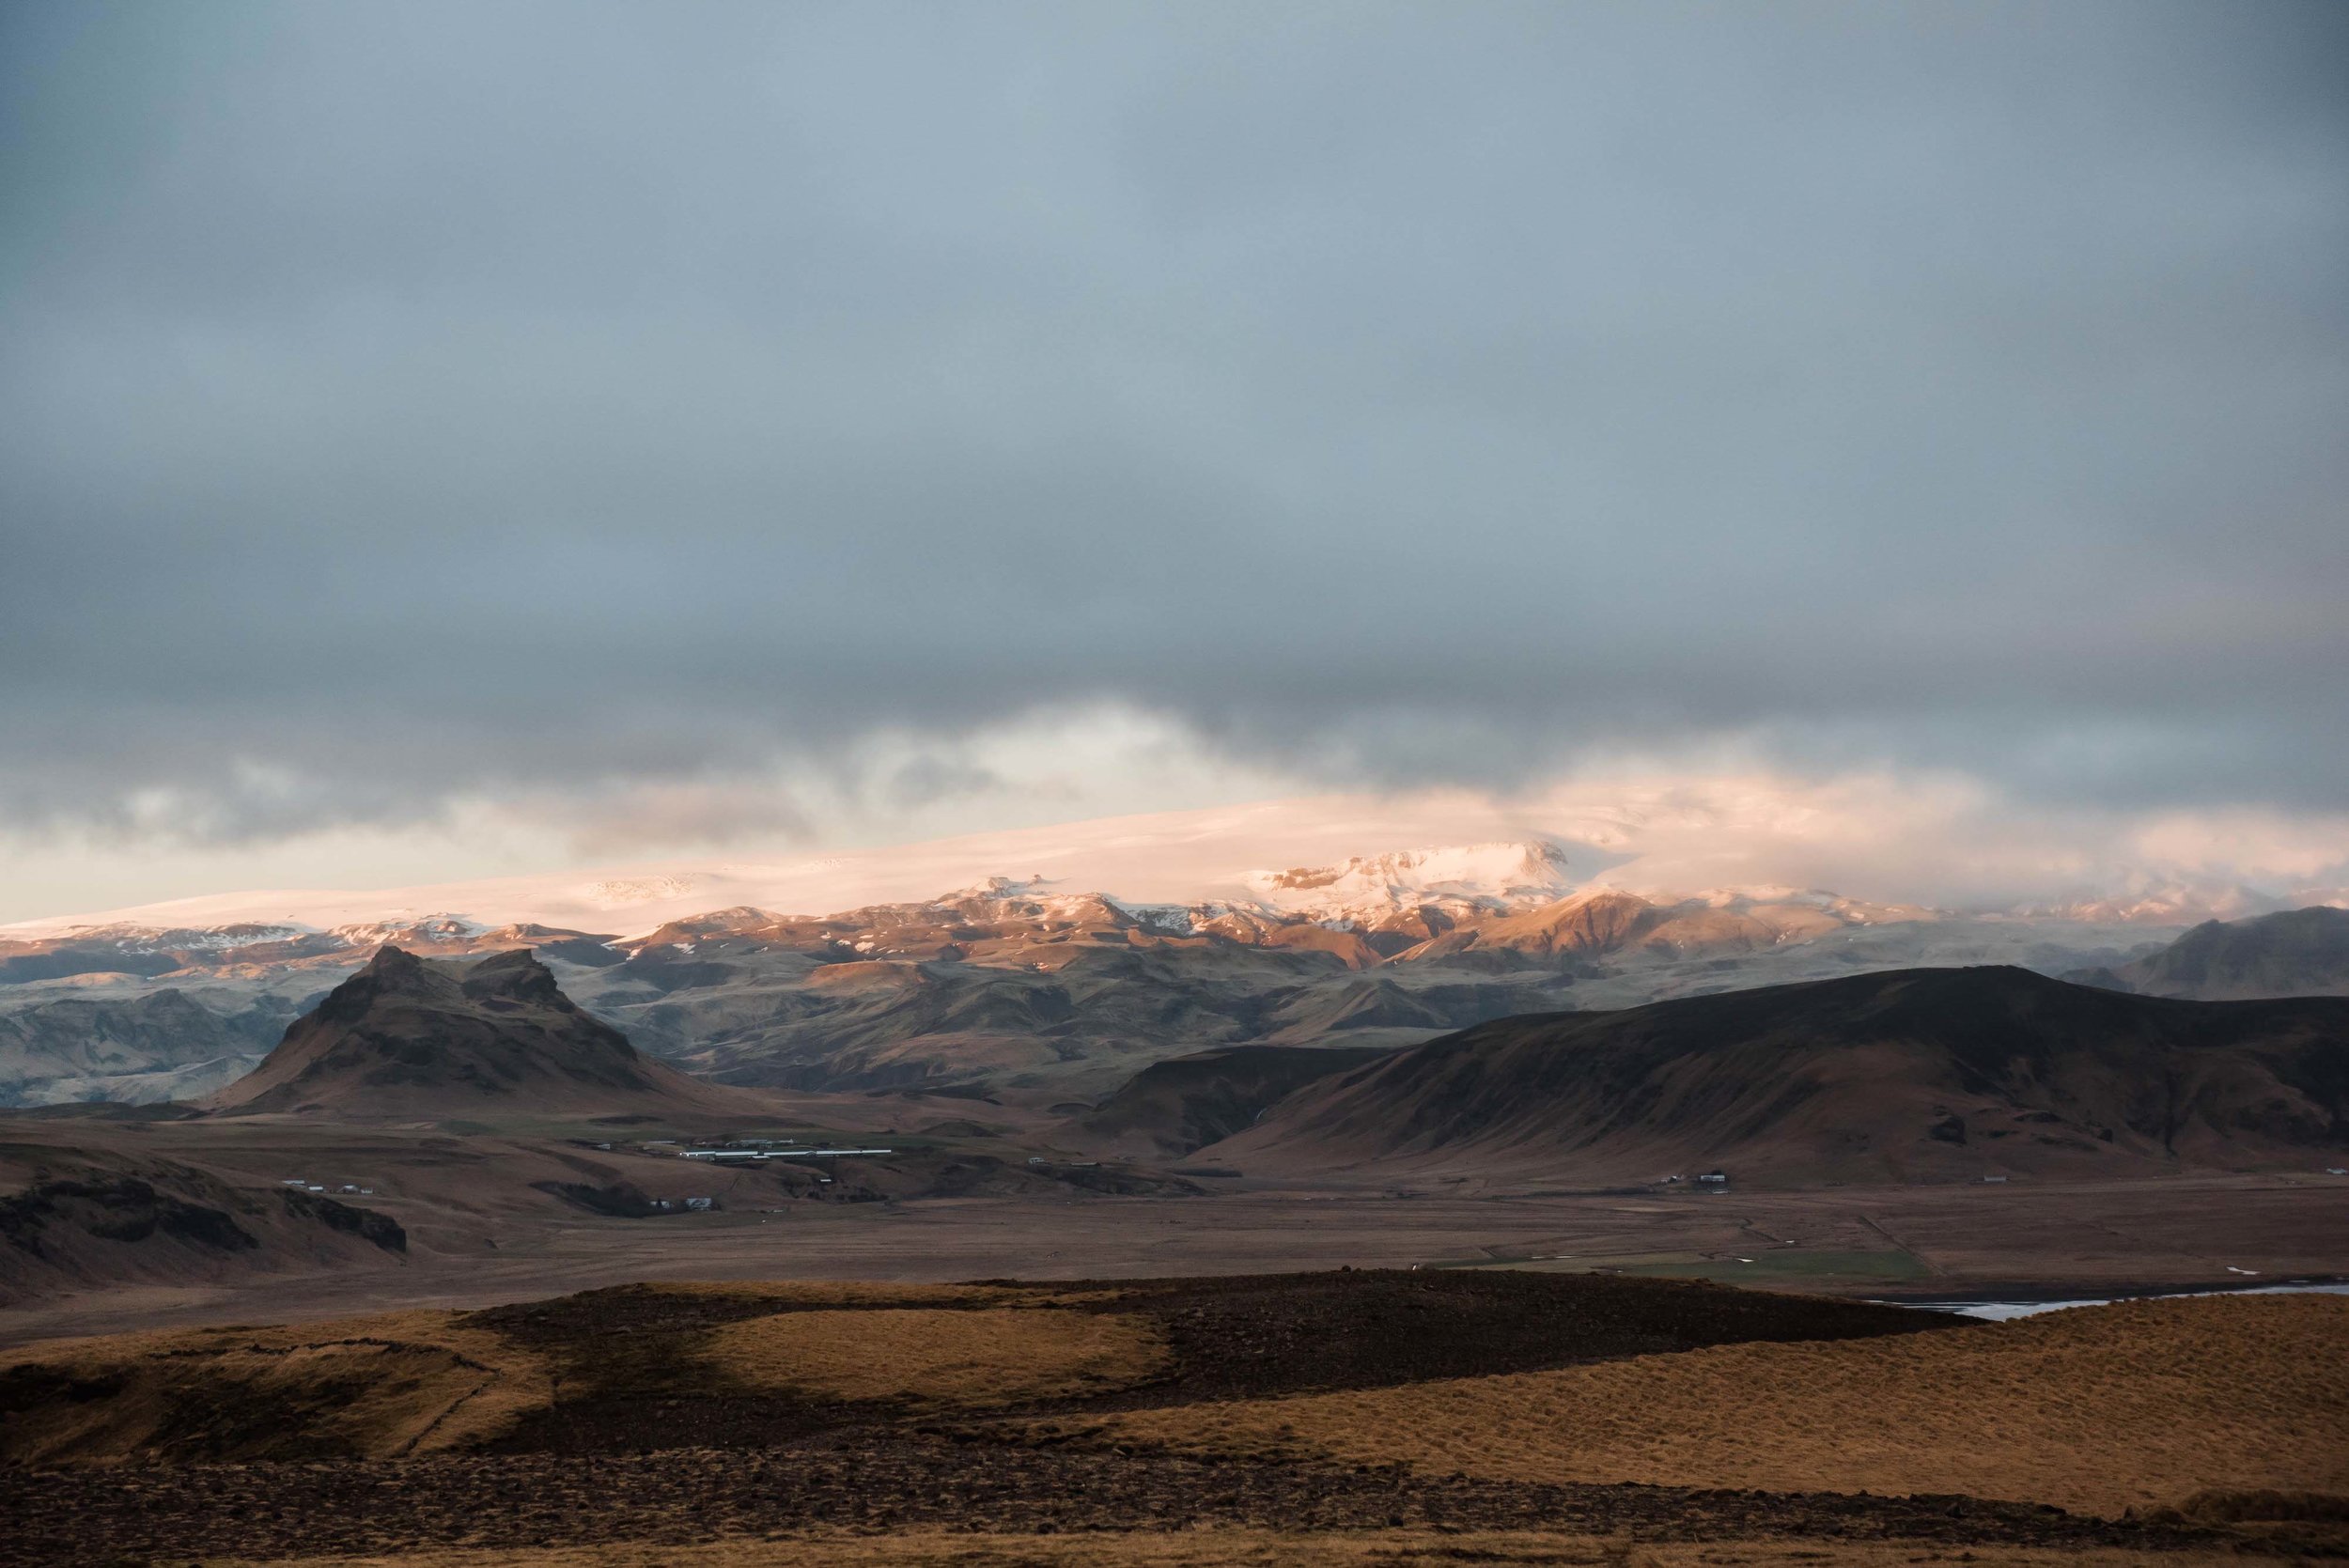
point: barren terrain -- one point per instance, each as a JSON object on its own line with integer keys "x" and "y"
{"x": 479, "y": 1232}
{"x": 481, "y": 1227}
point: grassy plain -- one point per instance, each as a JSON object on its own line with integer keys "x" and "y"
{"x": 2101, "y": 1410}
{"x": 938, "y": 1356}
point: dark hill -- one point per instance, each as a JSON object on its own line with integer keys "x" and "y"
{"x": 93, "y": 1221}
{"x": 2297, "y": 953}
{"x": 405, "y": 1038}
{"x": 1915, "y": 1074}
{"x": 1187, "y": 1102}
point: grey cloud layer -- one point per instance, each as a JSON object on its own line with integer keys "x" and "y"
{"x": 411, "y": 399}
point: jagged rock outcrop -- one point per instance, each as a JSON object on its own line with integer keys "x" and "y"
{"x": 410, "y": 1037}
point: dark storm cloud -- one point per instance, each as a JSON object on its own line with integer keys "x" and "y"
{"x": 404, "y": 400}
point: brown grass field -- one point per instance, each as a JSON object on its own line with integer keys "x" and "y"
{"x": 1351, "y": 1418}
{"x": 371, "y": 1388}
{"x": 806, "y": 1294}
{"x": 986, "y": 1357}
{"x": 2101, "y": 1410}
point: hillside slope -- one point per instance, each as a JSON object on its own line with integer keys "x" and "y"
{"x": 85, "y": 1219}
{"x": 1187, "y": 1102}
{"x": 1921, "y": 1074}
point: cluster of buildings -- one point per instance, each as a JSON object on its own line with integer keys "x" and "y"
{"x": 740, "y": 1150}
{"x": 716, "y": 1151}
{"x": 730, "y": 1151}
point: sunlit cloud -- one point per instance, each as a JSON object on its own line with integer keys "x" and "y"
{"x": 419, "y": 458}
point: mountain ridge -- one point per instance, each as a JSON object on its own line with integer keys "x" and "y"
{"x": 2289, "y": 952}
{"x": 1010, "y": 981}
{"x": 1907, "y": 1075}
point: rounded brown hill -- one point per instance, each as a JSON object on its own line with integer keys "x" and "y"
{"x": 1912, "y": 1075}
{"x": 408, "y": 1037}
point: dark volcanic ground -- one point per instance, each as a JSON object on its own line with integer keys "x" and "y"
{"x": 871, "y": 1482}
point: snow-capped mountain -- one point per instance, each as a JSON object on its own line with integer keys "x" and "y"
{"x": 1490, "y": 877}
{"x": 2167, "y": 904}
{"x": 1045, "y": 956}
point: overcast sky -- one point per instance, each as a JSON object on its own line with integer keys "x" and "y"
{"x": 584, "y": 430}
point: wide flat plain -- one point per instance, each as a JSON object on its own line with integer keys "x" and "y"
{"x": 471, "y": 1250}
